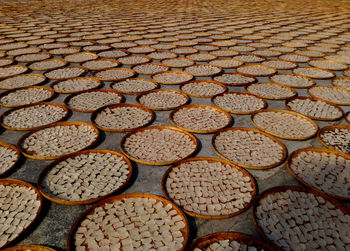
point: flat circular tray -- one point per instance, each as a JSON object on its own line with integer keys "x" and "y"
{"x": 158, "y": 163}
{"x": 165, "y": 67}
{"x": 330, "y": 166}
{"x": 185, "y": 230}
{"x": 2, "y": 117}
{"x": 39, "y": 82}
{"x": 249, "y": 79}
{"x": 204, "y": 242}
{"x": 311, "y": 81}
{"x": 218, "y": 70}
{"x": 131, "y": 73}
{"x": 296, "y": 72}
{"x": 84, "y": 71}
{"x": 45, "y": 171}
{"x": 66, "y": 123}
{"x": 287, "y": 112}
{"x": 210, "y": 160}
{"x": 347, "y": 117}
{"x": 346, "y": 81}
{"x": 315, "y": 100}
{"x": 28, "y": 248}
{"x": 189, "y": 77}
{"x": 268, "y": 70}
{"x": 63, "y": 63}
{"x": 330, "y": 129}
{"x": 173, "y": 122}
{"x": 314, "y": 63}
{"x": 19, "y": 183}
{"x": 114, "y": 63}
{"x": 98, "y": 85}
{"x": 339, "y": 101}
{"x": 207, "y": 82}
{"x": 272, "y": 84}
{"x": 156, "y": 86}
{"x": 95, "y": 113}
{"x": 18, "y": 153}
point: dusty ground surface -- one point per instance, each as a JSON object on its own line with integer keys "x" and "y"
{"x": 278, "y": 26}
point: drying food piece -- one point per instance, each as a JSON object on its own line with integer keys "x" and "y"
{"x": 66, "y": 73}
{"x": 201, "y": 57}
{"x": 209, "y": 188}
{"x": 47, "y": 64}
{"x": 130, "y": 222}
{"x": 12, "y": 70}
{"x": 150, "y": 68}
{"x": 315, "y": 108}
{"x": 76, "y": 85}
{"x": 177, "y": 62}
{"x": 64, "y": 51}
{"x": 256, "y": 70}
{"x": 312, "y": 72}
{"x": 91, "y": 100}
{"x": 114, "y": 74}
{"x": 6, "y": 61}
{"x": 284, "y": 124}
{"x": 158, "y": 145}
{"x": 200, "y": 118}
{"x": 295, "y": 58}
{"x": 249, "y": 148}
{"x": 296, "y": 218}
{"x": 22, "y": 80}
{"x": 333, "y": 94}
{"x": 34, "y": 57}
{"x": 162, "y": 99}
{"x": 249, "y": 58}
{"x": 203, "y": 70}
{"x": 323, "y": 170}
{"x": 134, "y": 85}
{"x": 28, "y": 248}
{"x": 100, "y": 64}
{"x": 339, "y": 58}
{"x": 336, "y": 137}
{"x": 292, "y": 80}
{"x": 203, "y": 88}
{"x": 33, "y": 116}
{"x": 225, "y": 53}
{"x": 85, "y": 177}
{"x": 80, "y": 57}
{"x": 341, "y": 82}
{"x": 9, "y": 157}
{"x": 226, "y": 63}
{"x": 25, "y": 96}
{"x": 172, "y": 77}
{"x": 280, "y": 64}
{"x": 122, "y": 117}
{"x": 53, "y": 141}
{"x": 113, "y": 54}
{"x": 235, "y": 79}
{"x": 271, "y": 90}
{"x": 238, "y": 102}
{"x": 134, "y": 60}
{"x": 20, "y": 206}
{"x": 328, "y": 64}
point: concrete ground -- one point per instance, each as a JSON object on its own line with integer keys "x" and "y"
{"x": 56, "y": 220}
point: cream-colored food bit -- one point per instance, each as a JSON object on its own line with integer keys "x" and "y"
{"x": 22, "y": 80}
{"x": 172, "y": 77}
{"x": 339, "y": 58}
{"x": 159, "y": 145}
{"x": 203, "y": 89}
{"x": 249, "y": 58}
{"x": 92, "y": 100}
{"x": 315, "y": 108}
{"x": 325, "y": 170}
{"x": 80, "y": 57}
{"x": 8, "y": 158}
{"x": 225, "y": 53}
{"x": 123, "y": 117}
{"x": 234, "y": 79}
{"x": 178, "y": 62}
{"x": 48, "y": 64}
{"x": 114, "y": 74}
{"x": 294, "y": 58}
{"x": 210, "y": 187}
{"x": 256, "y": 70}
{"x": 332, "y": 94}
{"x": 26, "y": 96}
{"x": 337, "y": 138}
{"x": 150, "y": 68}
{"x": 112, "y": 54}
{"x": 342, "y": 82}
{"x": 34, "y": 116}
{"x": 249, "y": 148}
{"x": 200, "y": 118}
{"x": 5, "y": 61}
{"x": 134, "y": 59}
{"x": 132, "y": 223}
{"x": 76, "y": 85}
{"x": 86, "y": 176}
{"x": 328, "y": 64}
{"x": 163, "y": 99}
{"x": 203, "y": 70}
{"x": 65, "y": 73}
{"x": 100, "y": 64}
{"x": 58, "y": 140}
{"x": 64, "y": 51}
{"x": 292, "y": 80}
{"x": 271, "y": 90}
{"x": 312, "y": 72}
{"x": 12, "y": 70}
{"x": 134, "y": 85}
{"x": 297, "y": 219}
{"x": 280, "y": 64}
{"x": 226, "y": 63}
{"x": 239, "y": 102}
{"x": 20, "y": 205}
{"x": 34, "y": 57}
{"x": 285, "y": 124}
{"x": 201, "y": 56}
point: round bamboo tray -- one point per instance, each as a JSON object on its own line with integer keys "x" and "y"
{"x": 98, "y": 85}
{"x": 293, "y": 86}
{"x": 43, "y": 79}
{"x": 69, "y": 67}
{"x": 156, "y": 86}
{"x": 332, "y": 74}
{"x": 189, "y": 76}
{"x": 331, "y": 128}
{"x": 253, "y": 79}
{"x": 331, "y": 87}
{"x": 64, "y": 63}
{"x": 206, "y": 81}
{"x": 272, "y": 98}
{"x": 14, "y": 148}
{"x": 267, "y": 68}
{"x": 28, "y": 247}
{"x": 155, "y": 64}
{"x": 132, "y": 72}
{"x": 218, "y": 70}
